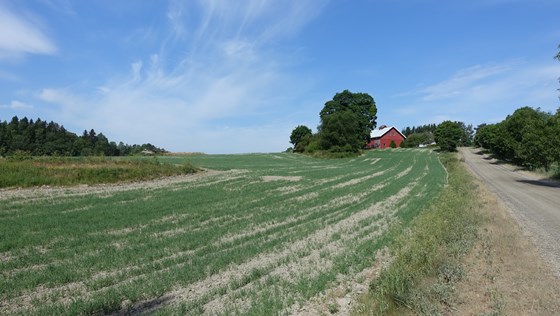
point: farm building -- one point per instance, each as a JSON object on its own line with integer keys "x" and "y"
{"x": 381, "y": 137}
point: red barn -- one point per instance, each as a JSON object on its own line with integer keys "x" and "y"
{"x": 382, "y": 137}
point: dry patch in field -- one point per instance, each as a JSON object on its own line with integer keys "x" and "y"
{"x": 308, "y": 196}
{"x": 359, "y": 180}
{"x": 6, "y": 256}
{"x": 289, "y": 189}
{"x": 505, "y": 274}
{"x": 33, "y": 195}
{"x": 342, "y": 297}
{"x": 122, "y": 231}
{"x": 281, "y": 178}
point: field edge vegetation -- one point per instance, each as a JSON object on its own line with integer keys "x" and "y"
{"x": 427, "y": 258}
{"x": 65, "y": 171}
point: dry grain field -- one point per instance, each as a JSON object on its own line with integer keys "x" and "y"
{"x": 253, "y": 234}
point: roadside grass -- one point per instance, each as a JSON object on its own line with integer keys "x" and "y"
{"x": 428, "y": 257}
{"x": 63, "y": 171}
{"x": 261, "y": 236}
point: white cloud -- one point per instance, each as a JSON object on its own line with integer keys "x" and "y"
{"x": 19, "y": 36}
{"x": 16, "y": 105}
{"x": 483, "y": 93}
{"x": 463, "y": 81}
{"x": 226, "y": 78}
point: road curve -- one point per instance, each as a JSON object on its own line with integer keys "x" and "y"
{"x": 535, "y": 203}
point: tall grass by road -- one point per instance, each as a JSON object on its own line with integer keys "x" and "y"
{"x": 427, "y": 258}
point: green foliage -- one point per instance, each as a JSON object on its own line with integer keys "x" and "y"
{"x": 347, "y": 119}
{"x": 299, "y": 133}
{"x": 448, "y": 135}
{"x": 21, "y": 170}
{"x": 40, "y": 138}
{"x": 341, "y": 132}
{"x": 346, "y": 124}
{"x": 417, "y": 139}
{"x": 393, "y": 144}
{"x": 467, "y": 134}
{"x": 528, "y": 137}
{"x": 422, "y": 129}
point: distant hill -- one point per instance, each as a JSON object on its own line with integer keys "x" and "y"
{"x": 41, "y": 138}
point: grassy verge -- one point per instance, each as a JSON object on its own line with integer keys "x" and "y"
{"x": 427, "y": 258}
{"x": 60, "y": 171}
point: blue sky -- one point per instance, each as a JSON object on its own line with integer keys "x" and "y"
{"x": 238, "y": 76}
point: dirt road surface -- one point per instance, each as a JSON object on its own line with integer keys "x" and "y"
{"x": 535, "y": 203}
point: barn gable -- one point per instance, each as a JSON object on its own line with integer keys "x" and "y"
{"x": 382, "y": 137}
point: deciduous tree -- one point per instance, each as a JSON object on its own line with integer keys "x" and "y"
{"x": 447, "y": 135}
{"x": 347, "y": 121}
{"x": 299, "y": 133}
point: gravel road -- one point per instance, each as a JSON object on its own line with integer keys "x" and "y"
{"x": 534, "y": 203}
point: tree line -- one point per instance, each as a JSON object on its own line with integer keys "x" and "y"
{"x": 528, "y": 137}
{"x": 447, "y": 136}
{"x": 346, "y": 124}
{"x": 428, "y": 128}
{"x": 42, "y": 138}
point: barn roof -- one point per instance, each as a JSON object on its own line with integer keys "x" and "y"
{"x": 378, "y": 132}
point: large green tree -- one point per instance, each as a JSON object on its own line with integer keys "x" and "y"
{"x": 347, "y": 121}
{"x": 300, "y": 133}
{"x": 341, "y": 132}
{"x": 448, "y": 135}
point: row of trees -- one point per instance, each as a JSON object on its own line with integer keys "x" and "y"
{"x": 346, "y": 124}
{"x": 528, "y": 137}
{"x": 40, "y": 138}
{"x": 422, "y": 129}
{"x": 451, "y": 135}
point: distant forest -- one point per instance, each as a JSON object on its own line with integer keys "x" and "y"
{"x": 428, "y": 128}
{"x": 40, "y": 138}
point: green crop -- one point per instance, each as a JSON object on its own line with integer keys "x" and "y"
{"x": 256, "y": 234}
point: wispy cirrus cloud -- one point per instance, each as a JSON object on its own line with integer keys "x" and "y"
{"x": 19, "y": 36}
{"x": 462, "y": 82}
{"x": 218, "y": 76}
{"x": 483, "y": 93}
